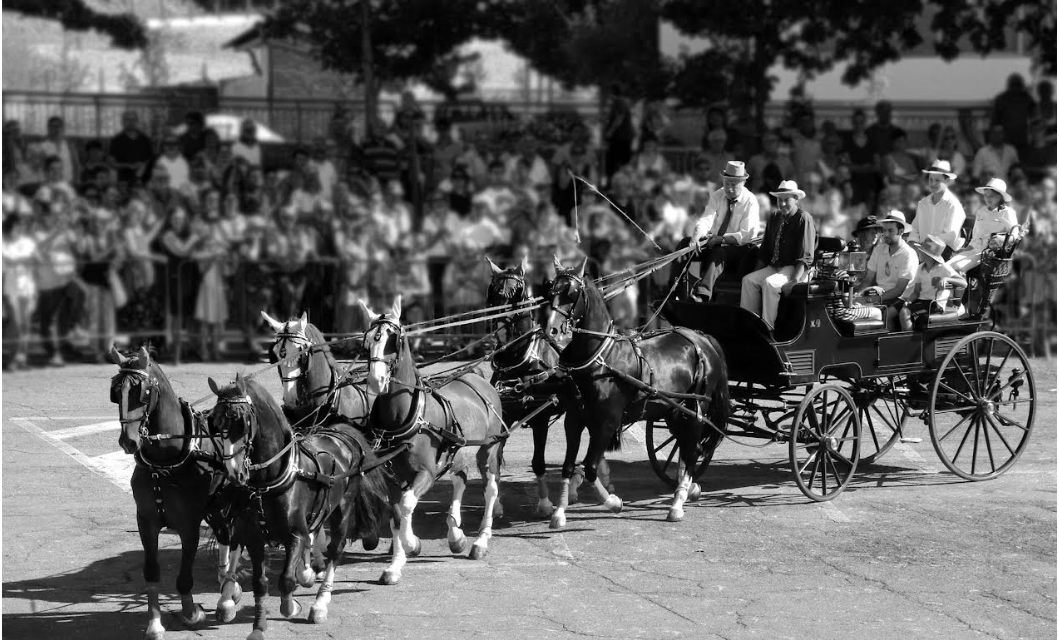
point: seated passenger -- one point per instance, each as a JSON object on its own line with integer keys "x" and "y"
{"x": 866, "y": 235}
{"x": 892, "y": 265}
{"x": 785, "y": 256}
{"x": 929, "y": 292}
{"x": 731, "y": 217}
{"x": 994, "y": 217}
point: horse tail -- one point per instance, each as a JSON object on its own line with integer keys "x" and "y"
{"x": 615, "y": 442}
{"x": 371, "y": 505}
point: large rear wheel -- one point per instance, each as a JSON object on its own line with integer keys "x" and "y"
{"x": 664, "y": 454}
{"x": 883, "y": 411}
{"x": 982, "y": 406}
{"x": 825, "y": 442}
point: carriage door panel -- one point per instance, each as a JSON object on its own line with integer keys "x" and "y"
{"x": 898, "y": 352}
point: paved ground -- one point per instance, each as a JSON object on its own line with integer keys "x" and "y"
{"x": 909, "y": 551}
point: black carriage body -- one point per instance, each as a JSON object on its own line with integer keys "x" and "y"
{"x": 810, "y": 343}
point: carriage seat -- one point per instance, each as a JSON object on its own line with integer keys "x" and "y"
{"x": 816, "y": 287}
{"x": 953, "y": 311}
{"x": 860, "y": 320}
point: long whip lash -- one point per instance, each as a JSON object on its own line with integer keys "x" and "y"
{"x": 616, "y": 207}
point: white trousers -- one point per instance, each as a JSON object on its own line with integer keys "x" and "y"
{"x": 761, "y": 291}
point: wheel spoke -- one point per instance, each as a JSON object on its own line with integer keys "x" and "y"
{"x": 669, "y": 459}
{"x": 667, "y": 441}
{"x": 813, "y": 455}
{"x": 955, "y": 409}
{"x": 974, "y": 450}
{"x": 1008, "y": 422}
{"x": 975, "y": 363}
{"x": 958, "y": 393}
{"x": 966, "y": 433}
{"x": 954, "y": 428}
{"x": 1001, "y": 367}
{"x": 999, "y": 394}
{"x": 999, "y": 434}
{"x": 963, "y": 375}
{"x": 871, "y": 428}
{"x": 988, "y": 443}
{"x": 843, "y": 458}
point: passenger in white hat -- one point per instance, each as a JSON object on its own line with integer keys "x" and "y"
{"x": 929, "y": 285}
{"x": 785, "y": 256}
{"x": 995, "y": 217}
{"x": 731, "y": 218}
{"x": 939, "y": 214}
{"x": 892, "y": 265}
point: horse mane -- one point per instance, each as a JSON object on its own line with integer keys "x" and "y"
{"x": 314, "y": 335}
{"x": 262, "y": 399}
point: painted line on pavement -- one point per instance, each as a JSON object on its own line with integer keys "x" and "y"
{"x": 832, "y": 512}
{"x": 110, "y": 417}
{"x": 636, "y": 432}
{"x": 86, "y": 430}
{"x": 913, "y": 456}
{"x": 105, "y": 468}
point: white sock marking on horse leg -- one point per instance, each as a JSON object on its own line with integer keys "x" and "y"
{"x": 318, "y": 612}
{"x": 408, "y": 507}
{"x": 575, "y": 481}
{"x": 307, "y": 577}
{"x": 392, "y": 574}
{"x": 222, "y": 562}
{"x": 610, "y": 500}
{"x": 676, "y": 511}
{"x": 603, "y": 472}
{"x": 456, "y": 537}
{"x": 492, "y": 491}
{"x": 559, "y": 515}
{"x": 544, "y": 503}
{"x": 154, "y": 610}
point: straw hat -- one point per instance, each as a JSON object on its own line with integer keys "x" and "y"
{"x": 788, "y": 188}
{"x": 941, "y": 167}
{"x": 932, "y": 248}
{"x": 895, "y": 217}
{"x": 735, "y": 169}
{"x": 998, "y": 185}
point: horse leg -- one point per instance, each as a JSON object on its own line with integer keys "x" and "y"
{"x": 489, "y": 467}
{"x": 392, "y": 574}
{"x": 191, "y": 614}
{"x": 596, "y": 443}
{"x": 603, "y": 471}
{"x": 289, "y": 606}
{"x": 256, "y": 549}
{"x": 335, "y": 547}
{"x": 231, "y": 592}
{"x": 540, "y": 441}
{"x": 457, "y": 540}
{"x": 405, "y": 543}
{"x": 567, "y": 492}
{"x": 152, "y": 573}
{"x": 307, "y": 577}
{"x": 676, "y": 510}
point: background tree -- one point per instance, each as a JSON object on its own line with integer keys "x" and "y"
{"x": 126, "y": 31}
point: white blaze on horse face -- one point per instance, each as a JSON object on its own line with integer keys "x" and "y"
{"x": 289, "y": 371}
{"x": 379, "y": 368}
{"x": 233, "y": 464}
{"x": 556, "y": 332}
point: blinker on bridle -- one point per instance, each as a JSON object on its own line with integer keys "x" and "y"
{"x": 248, "y": 432}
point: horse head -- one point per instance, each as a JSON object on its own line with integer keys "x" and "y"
{"x": 290, "y": 353}
{"x": 568, "y": 301}
{"x": 383, "y": 342}
{"x": 508, "y": 287}
{"x": 135, "y": 390}
{"x": 234, "y": 420}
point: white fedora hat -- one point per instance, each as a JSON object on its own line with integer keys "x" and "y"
{"x": 998, "y": 185}
{"x": 942, "y": 167}
{"x": 788, "y": 188}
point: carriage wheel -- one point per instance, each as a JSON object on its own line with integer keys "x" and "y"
{"x": 825, "y": 442}
{"x": 882, "y": 410}
{"x": 982, "y": 406}
{"x": 663, "y": 452}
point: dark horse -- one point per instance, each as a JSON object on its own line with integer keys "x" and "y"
{"x": 525, "y": 370}
{"x": 625, "y": 379}
{"x": 314, "y": 385}
{"x": 293, "y": 483}
{"x": 175, "y": 483}
{"x": 431, "y": 422}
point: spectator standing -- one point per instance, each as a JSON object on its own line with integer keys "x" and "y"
{"x": 61, "y": 301}
{"x": 948, "y": 149}
{"x": 618, "y": 132}
{"x": 461, "y": 191}
{"x": 381, "y": 154}
{"x": 56, "y": 144}
{"x": 174, "y": 164}
{"x": 806, "y": 149}
{"x": 18, "y": 155}
{"x": 864, "y": 173}
{"x": 1043, "y": 126}
{"x": 996, "y": 158}
{"x": 440, "y": 222}
{"x": 446, "y": 151}
{"x": 193, "y": 140}
{"x": 717, "y": 119}
{"x": 355, "y": 250}
{"x": 567, "y": 193}
{"x": 55, "y": 190}
{"x": 20, "y": 255}
{"x": 832, "y": 158}
{"x": 474, "y": 163}
{"x": 528, "y": 164}
{"x": 131, "y": 149}
{"x": 211, "y": 302}
{"x": 768, "y": 167}
{"x": 324, "y": 166}
{"x": 883, "y": 131}
{"x": 177, "y": 244}
{"x": 14, "y": 202}
{"x": 900, "y": 167}
{"x": 247, "y": 146}
{"x": 1013, "y": 109}
{"x": 289, "y": 250}
{"x": 104, "y": 293}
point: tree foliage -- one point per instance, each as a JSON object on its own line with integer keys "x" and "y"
{"x": 986, "y": 25}
{"x": 125, "y": 30}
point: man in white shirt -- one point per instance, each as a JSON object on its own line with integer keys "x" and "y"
{"x": 528, "y": 160}
{"x": 247, "y": 145}
{"x": 891, "y": 267}
{"x": 731, "y": 218}
{"x": 939, "y": 214}
{"x": 57, "y": 145}
{"x": 996, "y": 158}
{"x": 173, "y": 163}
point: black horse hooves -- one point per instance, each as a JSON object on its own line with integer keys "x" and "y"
{"x": 478, "y": 552}
{"x": 371, "y": 542}
{"x": 416, "y": 550}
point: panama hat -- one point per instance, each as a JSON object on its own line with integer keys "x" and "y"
{"x": 788, "y": 188}
{"x": 735, "y": 170}
{"x": 998, "y": 185}
{"x": 941, "y": 167}
{"x": 897, "y": 217}
{"x": 932, "y": 248}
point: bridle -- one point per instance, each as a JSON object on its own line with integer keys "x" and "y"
{"x": 376, "y": 327}
{"x": 220, "y": 426}
{"x": 148, "y": 396}
{"x": 577, "y": 308}
{"x": 519, "y": 296}
{"x": 301, "y": 343}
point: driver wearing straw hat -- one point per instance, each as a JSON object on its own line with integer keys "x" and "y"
{"x": 940, "y": 213}
{"x": 785, "y": 256}
{"x": 731, "y": 217}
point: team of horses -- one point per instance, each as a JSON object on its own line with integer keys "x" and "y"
{"x": 345, "y": 455}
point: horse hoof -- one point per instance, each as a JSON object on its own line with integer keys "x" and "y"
{"x": 613, "y": 503}
{"x": 498, "y": 510}
{"x": 675, "y": 515}
{"x": 558, "y": 521}
{"x": 307, "y": 578}
{"x": 195, "y": 619}
{"x": 478, "y": 552}
{"x": 225, "y": 611}
{"x": 544, "y": 510}
{"x": 695, "y": 492}
{"x": 318, "y": 615}
{"x": 290, "y": 610}
{"x": 256, "y": 634}
{"x": 390, "y": 577}
{"x": 370, "y": 542}
{"x": 416, "y": 549}
{"x": 237, "y": 594}
{"x": 154, "y": 631}
{"x": 458, "y": 545}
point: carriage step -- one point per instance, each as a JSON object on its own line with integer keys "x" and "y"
{"x": 911, "y": 440}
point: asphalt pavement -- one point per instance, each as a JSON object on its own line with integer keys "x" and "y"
{"x": 907, "y": 551}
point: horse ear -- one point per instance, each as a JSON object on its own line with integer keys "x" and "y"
{"x": 240, "y": 382}
{"x": 396, "y": 308}
{"x": 145, "y": 355}
{"x": 558, "y": 265}
{"x": 302, "y": 321}
{"x": 523, "y": 266}
{"x": 276, "y": 325}
{"x": 213, "y": 386}
{"x": 581, "y": 269}
{"x": 116, "y": 357}
{"x": 367, "y": 309}
{"x": 492, "y": 265}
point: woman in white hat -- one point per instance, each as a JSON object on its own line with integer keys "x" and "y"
{"x": 995, "y": 217}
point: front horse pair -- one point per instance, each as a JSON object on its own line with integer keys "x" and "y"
{"x": 525, "y": 366}
{"x": 290, "y": 485}
{"x": 678, "y": 374}
{"x": 432, "y": 422}
{"x": 175, "y": 483}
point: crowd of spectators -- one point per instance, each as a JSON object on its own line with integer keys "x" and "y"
{"x": 184, "y": 237}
